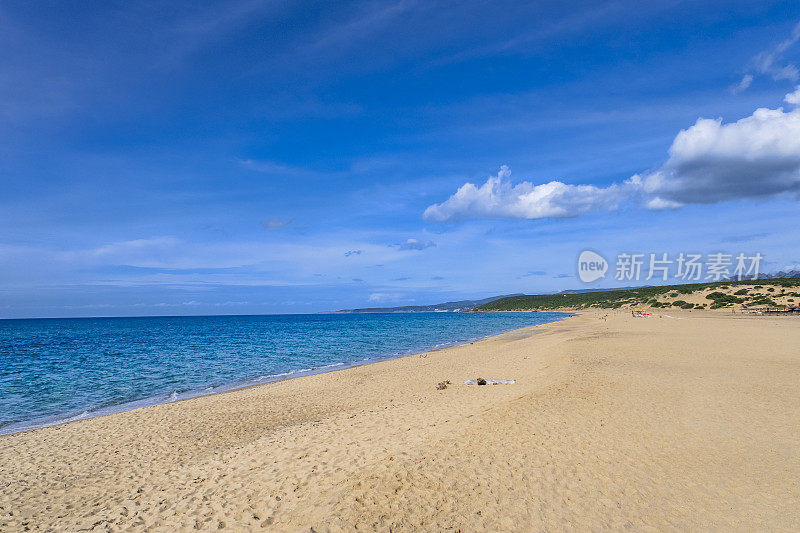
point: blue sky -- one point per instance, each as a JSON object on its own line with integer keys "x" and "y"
{"x": 262, "y": 157}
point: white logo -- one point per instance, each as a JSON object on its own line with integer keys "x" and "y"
{"x": 591, "y": 266}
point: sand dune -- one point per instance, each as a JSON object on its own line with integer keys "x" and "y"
{"x": 613, "y": 423}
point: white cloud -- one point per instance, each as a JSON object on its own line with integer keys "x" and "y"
{"x": 709, "y": 162}
{"x": 416, "y": 244}
{"x": 793, "y": 98}
{"x": 765, "y": 133}
{"x": 275, "y": 223}
{"x": 765, "y": 62}
{"x": 743, "y": 85}
{"x": 755, "y": 157}
{"x": 136, "y": 246}
{"x": 173, "y": 254}
{"x": 788, "y": 72}
{"x": 383, "y": 297}
{"x": 271, "y": 167}
{"x": 659, "y": 203}
{"x": 498, "y": 198}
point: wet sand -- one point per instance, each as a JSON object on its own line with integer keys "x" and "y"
{"x": 690, "y": 422}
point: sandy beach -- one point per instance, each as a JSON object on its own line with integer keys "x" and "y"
{"x": 683, "y": 422}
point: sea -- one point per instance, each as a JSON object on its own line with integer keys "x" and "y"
{"x": 58, "y": 370}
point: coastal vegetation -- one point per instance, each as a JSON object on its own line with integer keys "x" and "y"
{"x": 717, "y": 295}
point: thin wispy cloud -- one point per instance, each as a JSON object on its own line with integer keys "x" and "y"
{"x": 743, "y": 84}
{"x": 276, "y": 223}
{"x": 534, "y": 273}
{"x": 746, "y": 238}
{"x": 150, "y": 246}
{"x": 54, "y": 74}
{"x": 271, "y": 167}
{"x": 359, "y": 26}
{"x": 769, "y": 61}
{"x": 416, "y": 244}
{"x": 772, "y": 63}
{"x": 384, "y": 297}
{"x": 200, "y": 28}
{"x": 574, "y": 22}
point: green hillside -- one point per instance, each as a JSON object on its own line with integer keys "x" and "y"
{"x": 772, "y": 292}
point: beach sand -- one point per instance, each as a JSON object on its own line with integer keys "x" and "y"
{"x": 684, "y": 423}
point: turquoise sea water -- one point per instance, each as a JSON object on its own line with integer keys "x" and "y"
{"x": 53, "y": 370}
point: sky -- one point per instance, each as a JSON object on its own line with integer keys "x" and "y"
{"x": 248, "y": 156}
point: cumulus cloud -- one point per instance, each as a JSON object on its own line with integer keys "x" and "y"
{"x": 416, "y": 244}
{"x": 498, "y": 198}
{"x": 659, "y": 204}
{"x": 709, "y": 162}
{"x": 793, "y": 98}
{"x": 755, "y": 157}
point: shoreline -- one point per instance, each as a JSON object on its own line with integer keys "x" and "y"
{"x": 614, "y": 422}
{"x": 179, "y": 396}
